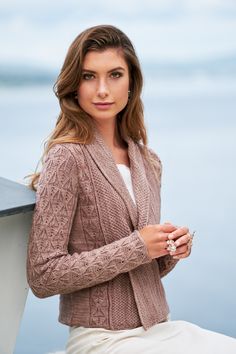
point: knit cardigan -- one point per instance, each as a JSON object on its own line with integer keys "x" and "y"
{"x": 85, "y": 243}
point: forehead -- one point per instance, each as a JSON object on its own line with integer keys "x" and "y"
{"x": 104, "y": 60}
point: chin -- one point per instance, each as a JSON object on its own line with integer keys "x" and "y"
{"x": 103, "y": 118}
{"x": 103, "y": 115}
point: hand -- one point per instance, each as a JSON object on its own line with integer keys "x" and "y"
{"x": 155, "y": 238}
{"x": 183, "y": 241}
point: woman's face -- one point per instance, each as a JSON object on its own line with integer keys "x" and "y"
{"x": 103, "y": 90}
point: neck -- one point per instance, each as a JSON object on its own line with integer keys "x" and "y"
{"x": 110, "y": 135}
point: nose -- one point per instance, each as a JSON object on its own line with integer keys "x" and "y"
{"x": 102, "y": 90}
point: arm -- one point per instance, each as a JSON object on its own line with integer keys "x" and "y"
{"x": 50, "y": 268}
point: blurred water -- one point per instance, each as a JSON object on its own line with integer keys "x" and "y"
{"x": 192, "y": 128}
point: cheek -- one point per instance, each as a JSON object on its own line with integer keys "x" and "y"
{"x": 84, "y": 92}
{"x": 122, "y": 90}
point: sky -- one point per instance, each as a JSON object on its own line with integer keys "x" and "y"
{"x": 38, "y": 33}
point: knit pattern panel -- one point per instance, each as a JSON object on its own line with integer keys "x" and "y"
{"x": 105, "y": 310}
{"x": 51, "y": 269}
{"x": 115, "y": 223}
{"x": 90, "y": 303}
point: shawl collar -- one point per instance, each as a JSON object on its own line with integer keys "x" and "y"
{"x": 102, "y": 156}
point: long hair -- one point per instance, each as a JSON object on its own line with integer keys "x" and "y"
{"x": 75, "y": 125}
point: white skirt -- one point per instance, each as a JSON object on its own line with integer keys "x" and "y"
{"x": 171, "y": 337}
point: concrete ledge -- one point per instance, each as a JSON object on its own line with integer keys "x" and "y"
{"x": 17, "y": 202}
{"x": 15, "y": 198}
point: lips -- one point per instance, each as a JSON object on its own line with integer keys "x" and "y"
{"x": 103, "y": 105}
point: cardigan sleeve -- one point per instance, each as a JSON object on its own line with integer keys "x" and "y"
{"x": 51, "y": 269}
{"x": 166, "y": 263}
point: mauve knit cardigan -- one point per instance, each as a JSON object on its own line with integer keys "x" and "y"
{"x": 84, "y": 242}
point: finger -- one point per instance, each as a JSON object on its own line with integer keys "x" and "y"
{"x": 180, "y": 250}
{"x": 181, "y": 256}
{"x": 163, "y": 253}
{"x": 164, "y": 237}
{"x": 178, "y": 233}
{"x": 182, "y": 240}
{"x": 164, "y": 245}
{"x": 167, "y": 227}
{"x": 161, "y": 245}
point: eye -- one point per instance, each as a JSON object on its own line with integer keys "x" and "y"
{"x": 116, "y": 74}
{"x": 87, "y": 76}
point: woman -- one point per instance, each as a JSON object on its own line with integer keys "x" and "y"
{"x": 96, "y": 237}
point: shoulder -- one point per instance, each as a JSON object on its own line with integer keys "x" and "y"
{"x": 152, "y": 161}
{"x": 62, "y": 158}
{"x": 60, "y": 168}
{"x": 149, "y": 154}
{"x": 155, "y": 162}
{"x": 154, "y": 155}
{"x": 69, "y": 152}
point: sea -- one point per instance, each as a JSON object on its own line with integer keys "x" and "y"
{"x": 190, "y": 115}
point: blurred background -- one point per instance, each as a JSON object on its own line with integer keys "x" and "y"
{"x": 187, "y": 50}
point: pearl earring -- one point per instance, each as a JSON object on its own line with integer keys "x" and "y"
{"x": 129, "y": 94}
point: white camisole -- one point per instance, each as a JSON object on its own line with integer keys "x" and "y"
{"x": 125, "y": 173}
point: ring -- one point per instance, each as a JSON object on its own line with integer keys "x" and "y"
{"x": 171, "y": 245}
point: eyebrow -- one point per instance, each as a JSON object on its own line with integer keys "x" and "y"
{"x": 94, "y": 72}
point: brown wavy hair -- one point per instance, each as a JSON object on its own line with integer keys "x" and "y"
{"x": 75, "y": 125}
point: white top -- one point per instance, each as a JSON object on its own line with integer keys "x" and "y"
{"x": 125, "y": 173}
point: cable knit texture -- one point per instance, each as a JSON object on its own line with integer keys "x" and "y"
{"x": 84, "y": 242}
